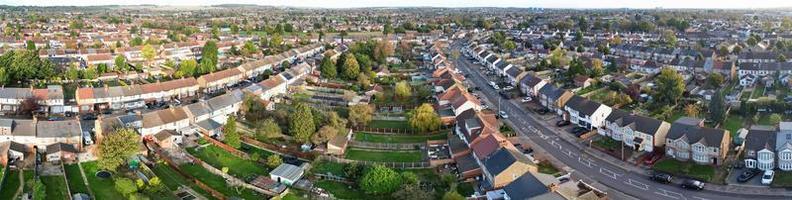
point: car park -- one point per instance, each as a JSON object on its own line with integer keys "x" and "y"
{"x": 561, "y": 123}
{"x": 661, "y": 177}
{"x": 748, "y": 174}
{"x": 692, "y": 184}
{"x": 767, "y": 177}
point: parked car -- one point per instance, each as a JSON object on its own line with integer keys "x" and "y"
{"x": 692, "y": 184}
{"x": 562, "y": 122}
{"x": 542, "y": 111}
{"x": 653, "y": 158}
{"x": 748, "y": 175}
{"x": 767, "y": 178}
{"x": 507, "y": 88}
{"x": 56, "y": 119}
{"x": 577, "y": 131}
{"x": 661, "y": 177}
{"x": 526, "y": 99}
{"x": 503, "y": 115}
{"x": 89, "y": 116}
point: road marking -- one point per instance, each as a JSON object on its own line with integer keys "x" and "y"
{"x": 586, "y": 161}
{"x": 695, "y": 197}
{"x": 569, "y": 153}
{"x": 637, "y": 184}
{"x": 670, "y": 194}
{"x": 609, "y": 173}
{"x": 554, "y": 143}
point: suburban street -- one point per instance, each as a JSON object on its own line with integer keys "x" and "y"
{"x": 586, "y": 167}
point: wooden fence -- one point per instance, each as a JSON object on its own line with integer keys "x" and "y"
{"x": 387, "y": 146}
{"x": 271, "y": 147}
{"x": 396, "y": 165}
{"x": 226, "y": 147}
{"x": 173, "y": 166}
{"x": 398, "y": 130}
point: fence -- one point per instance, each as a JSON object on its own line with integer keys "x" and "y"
{"x": 333, "y": 178}
{"x": 271, "y": 147}
{"x": 173, "y": 166}
{"x": 224, "y": 146}
{"x": 387, "y": 146}
{"x": 398, "y": 130}
{"x": 397, "y": 165}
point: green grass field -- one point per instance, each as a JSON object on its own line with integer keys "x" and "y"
{"x": 381, "y": 138}
{"x": 102, "y": 188}
{"x": 782, "y": 179}
{"x": 687, "y": 169}
{"x": 341, "y": 190}
{"x": 324, "y": 167}
{"x": 55, "y": 187}
{"x": 733, "y": 123}
{"x": 76, "y": 182}
{"x": 173, "y": 180}
{"x": 11, "y": 185}
{"x": 237, "y": 166}
{"x": 218, "y": 183}
{"x": 384, "y": 156}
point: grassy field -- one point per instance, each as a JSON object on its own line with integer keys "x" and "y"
{"x": 685, "y": 169}
{"x": 782, "y": 179}
{"x": 341, "y": 190}
{"x": 324, "y": 167}
{"x": 218, "y": 183}
{"x": 607, "y": 143}
{"x": 55, "y": 187}
{"x": 390, "y": 124}
{"x": 173, "y": 180}
{"x": 237, "y": 166}
{"x": 76, "y": 182}
{"x": 29, "y": 176}
{"x": 251, "y": 150}
{"x": 11, "y": 185}
{"x": 381, "y": 138}
{"x": 547, "y": 168}
{"x": 102, "y": 188}
{"x": 384, "y": 156}
{"x": 733, "y": 123}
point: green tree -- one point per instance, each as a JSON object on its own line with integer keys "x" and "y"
{"x": 148, "y": 52}
{"x": 249, "y": 48}
{"x": 269, "y": 129}
{"x": 230, "y": 134}
{"x": 276, "y": 41}
{"x": 209, "y": 57}
{"x": 120, "y": 62}
{"x": 115, "y": 148}
{"x": 326, "y": 133}
{"x": 412, "y": 192}
{"x": 424, "y": 118}
{"x": 30, "y": 45}
{"x": 274, "y": 161}
{"x": 775, "y": 118}
{"x": 509, "y": 45}
{"x": 596, "y": 68}
{"x": 403, "y": 90}
{"x": 715, "y": 80}
{"x": 717, "y": 107}
{"x": 125, "y": 186}
{"x": 670, "y": 86}
{"x": 187, "y": 68}
{"x": 669, "y": 38}
{"x": 328, "y": 68}
{"x": 72, "y": 73}
{"x": 453, "y": 195}
{"x": 380, "y": 180}
{"x": 692, "y": 110}
{"x": 360, "y": 114}
{"x": 351, "y": 68}
{"x": 301, "y": 124}
{"x": 155, "y": 185}
{"x": 89, "y": 73}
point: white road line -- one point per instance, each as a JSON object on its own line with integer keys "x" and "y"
{"x": 586, "y": 161}
{"x": 609, "y": 173}
{"x": 569, "y": 153}
{"x": 554, "y": 143}
{"x": 695, "y": 197}
{"x": 670, "y": 194}
{"x": 637, "y": 184}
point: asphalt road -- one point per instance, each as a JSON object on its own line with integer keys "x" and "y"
{"x": 586, "y": 167}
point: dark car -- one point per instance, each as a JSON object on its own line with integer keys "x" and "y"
{"x": 692, "y": 184}
{"x": 56, "y": 118}
{"x": 542, "y": 111}
{"x": 748, "y": 175}
{"x": 561, "y": 123}
{"x": 89, "y": 116}
{"x": 661, "y": 177}
{"x": 577, "y": 131}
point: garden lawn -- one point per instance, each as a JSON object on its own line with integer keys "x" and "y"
{"x": 102, "y": 188}
{"x": 324, "y": 167}
{"x": 250, "y": 149}
{"x": 782, "y": 179}
{"x": 758, "y": 91}
{"x": 11, "y": 185}
{"x": 390, "y": 124}
{"x": 75, "y": 178}
{"x": 384, "y": 156}
{"x": 547, "y": 168}
{"x": 173, "y": 180}
{"x": 341, "y": 190}
{"x": 218, "y": 183}
{"x": 28, "y": 176}
{"x": 685, "y": 169}
{"x": 220, "y": 158}
{"x": 733, "y": 123}
{"x": 55, "y": 187}
{"x": 465, "y": 189}
{"x": 382, "y": 138}
{"x": 607, "y": 143}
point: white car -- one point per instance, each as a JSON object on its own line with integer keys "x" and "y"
{"x": 526, "y": 99}
{"x": 767, "y": 178}
{"x": 508, "y": 88}
{"x": 503, "y": 115}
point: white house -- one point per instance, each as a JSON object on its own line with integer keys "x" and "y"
{"x": 639, "y": 132}
{"x": 760, "y": 148}
{"x": 585, "y": 113}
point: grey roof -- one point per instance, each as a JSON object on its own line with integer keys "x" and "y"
{"x": 209, "y": 124}
{"x": 15, "y": 93}
{"x": 615, "y": 115}
{"x": 466, "y": 163}
{"x": 225, "y": 100}
{"x": 68, "y": 128}
{"x": 502, "y": 65}
{"x": 18, "y": 147}
{"x": 639, "y": 123}
{"x": 4, "y": 122}
{"x": 689, "y": 129}
{"x": 288, "y": 171}
{"x": 198, "y": 109}
{"x": 23, "y": 127}
{"x": 526, "y": 186}
{"x": 583, "y": 105}
{"x": 784, "y": 137}
{"x": 456, "y": 145}
{"x": 514, "y": 72}
{"x": 551, "y": 91}
{"x": 492, "y": 58}
{"x": 760, "y": 137}
{"x": 502, "y": 159}
{"x": 530, "y": 80}
{"x": 58, "y": 147}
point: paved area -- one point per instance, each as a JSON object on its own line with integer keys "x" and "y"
{"x": 593, "y": 166}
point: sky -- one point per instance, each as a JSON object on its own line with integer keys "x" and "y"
{"x": 433, "y": 3}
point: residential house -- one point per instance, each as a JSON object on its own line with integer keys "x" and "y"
{"x": 554, "y": 98}
{"x": 783, "y": 146}
{"x": 530, "y": 85}
{"x": 639, "y": 132}
{"x": 166, "y": 119}
{"x": 505, "y": 166}
{"x": 689, "y": 139}
{"x": 11, "y": 152}
{"x": 585, "y": 113}
{"x": 61, "y": 152}
{"x": 759, "y": 149}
